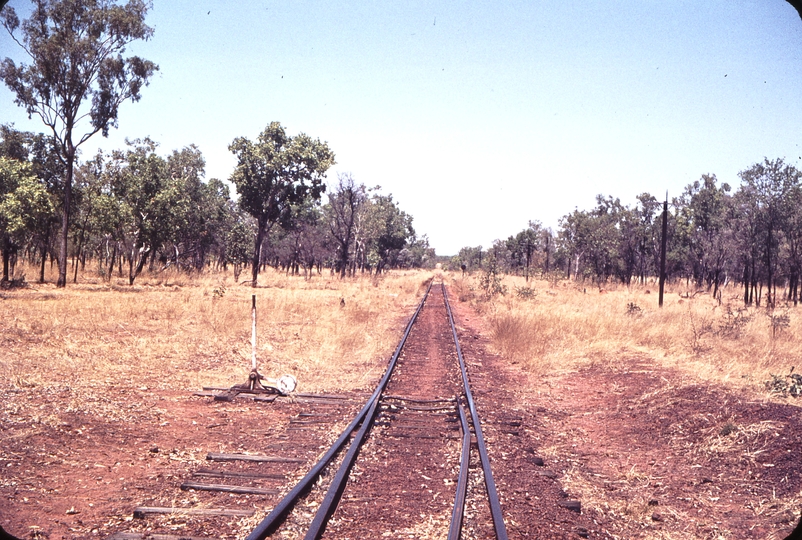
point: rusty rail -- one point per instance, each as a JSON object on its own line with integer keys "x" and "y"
{"x": 273, "y": 520}
{"x": 363, "y": 423}
{"x": 455, "y": 529}
{"x": 492, "y": 493}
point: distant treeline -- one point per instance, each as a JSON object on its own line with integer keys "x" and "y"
{"x": 752, "y": 237}
{"x": 134, "y": 209}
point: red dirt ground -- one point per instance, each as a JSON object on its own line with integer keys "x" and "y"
{"x": 649, "y": 452}
{"x": 645, "y": 450}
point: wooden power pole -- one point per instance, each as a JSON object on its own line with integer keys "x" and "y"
{"x": 663, "y": 251}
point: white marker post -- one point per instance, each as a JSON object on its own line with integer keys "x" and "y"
{"x": 285, "y": 385}
{"x": 253, "y": 334}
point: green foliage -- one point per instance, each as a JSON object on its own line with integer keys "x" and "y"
{"x": 345, "y": 216}
{"x": 417, "y": 253}
{"x": 523, "y": 247}
{"x": 790, "y": 384}
{"x": 24, "y": 205}
{"x": 387, "y": 231}
{"x": 75, "y": 48}
{"x": 278, "y": 171}
{"x": 526, "y": 293}
{"x": 468, "y": 259}
{"x": 713, "y": 237}
{"x": 273, "y": 174}
{"x": 633, "y": 309}
{"x": 239, "y": 240}
{"x": 24, "y": 201}
{"x": 490, "y": 282}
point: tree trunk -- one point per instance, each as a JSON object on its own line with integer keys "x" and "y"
{"x": 769, "y": 297}
{"x": 112, "y": 261}
{"x": 526, "y": 271}
{"x": 343, "y": 259}
{"x": 746, "y": 284}
{"x": 12, "y": 260}
{"x": 134, "y": 271}
{"x": 131, "y": 268}
{"x": 546, "y": 250}
{"x": 715, "y": 283}
{"x": 45, "y": 245}
{"x": 42, "y": 265}
{"x": 65, "y": 216}
{"x": 6, "y": 256}
{"x": 76, "y": 259}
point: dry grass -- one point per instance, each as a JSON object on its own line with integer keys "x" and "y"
{"x": 173, "y": 330}
{"x": 566, "y": 325}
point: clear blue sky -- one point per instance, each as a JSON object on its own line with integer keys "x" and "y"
{"x": 478, "y": 116}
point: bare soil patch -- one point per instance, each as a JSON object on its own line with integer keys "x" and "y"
{"x": 650, "y": 452}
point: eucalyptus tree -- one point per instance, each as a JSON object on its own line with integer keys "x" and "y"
{"x": 501, "y": 254}
{"x": 152, "y": 203}
{"x": 793, "y": 235}
{"x": 38, "y": 150}
{"x": 548, "y": 246}
{"x": 24, "y": 203}
{"x": 747, "y": 245}
{"x": 99, "y": 214}
{"x": 388, "y": 230}
{"x": 238, "y": 238}
{"x": 603, "y": 242}
{"x": 468, "y": 258}
{"x": 525, "y": 245}
{"x": 343, "y": 213}
{"x": 704, "y": 216}
{"x": 87, "y": 192}
{"x": 572, "y": 240}
{"x": 274, "y": 173}
{"x": 647, "y": 211}
{"x": 298, "y": 244}
{"x": 592, "y": 239}
{"x": 316, "y": 247}
{"x": 770, "y": 185}
{"x": 78, "y": 78}
{"x": 14, "y": 144}
{"x": 199, "y": 224}
{"x": 417, "y": 253}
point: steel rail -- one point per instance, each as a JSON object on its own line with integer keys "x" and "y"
{"x": 492, "y": 494}
{"x": 455, "y": 529}
{"x": 273, "y": 520}
{"x": 338, "y": 483}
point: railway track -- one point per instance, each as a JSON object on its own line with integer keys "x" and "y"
{"x": 412, "y": 462}
{"x": 401, "y": 459}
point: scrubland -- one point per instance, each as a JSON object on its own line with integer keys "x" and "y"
{"x": 72, "y": 349}
{"x": 177, "y": 331}
{"x": 547, "y": 326}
